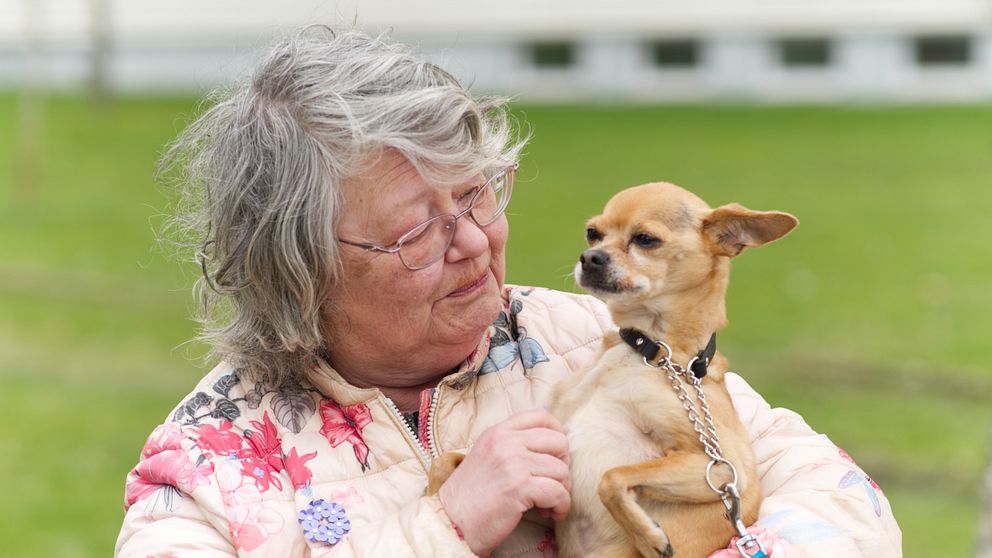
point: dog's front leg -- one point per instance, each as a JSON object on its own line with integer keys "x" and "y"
{"x": 441, "y": 469}
{"x": 677, "y": 477}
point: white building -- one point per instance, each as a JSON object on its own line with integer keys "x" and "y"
{"x": 775, "y": 50}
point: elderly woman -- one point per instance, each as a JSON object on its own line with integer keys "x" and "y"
{"x": 349, "y": 204}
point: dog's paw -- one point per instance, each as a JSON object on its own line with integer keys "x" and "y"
{"x": 654, "y": 544}
{"x": 441, "y": 469}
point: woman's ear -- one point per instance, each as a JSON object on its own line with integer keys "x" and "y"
{"x": 730, "y": 228}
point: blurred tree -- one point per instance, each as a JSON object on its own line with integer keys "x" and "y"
{"x": 100, "y": 45}
{"x": 30, "y": 108}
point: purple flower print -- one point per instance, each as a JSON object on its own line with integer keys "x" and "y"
{"x": 324, "y": 522}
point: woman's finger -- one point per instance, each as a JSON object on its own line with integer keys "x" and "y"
{"x": 548, "y": 466}
{"x": 545, "y": 440}
{"x": 536, "y": 418}
{"x": 549, "y": 494}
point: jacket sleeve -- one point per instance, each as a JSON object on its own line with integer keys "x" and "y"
{"x": 817, "y": 501}
{"x": 184, "y": 531}
{"x": 171, "y": 502}
{"x": 421, "y": 529}
{"x": 181, "y": 503}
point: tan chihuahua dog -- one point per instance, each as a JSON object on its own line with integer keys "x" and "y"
{"x": 642, "y": 481}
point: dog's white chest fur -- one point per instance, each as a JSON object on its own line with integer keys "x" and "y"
{"x": 601, "y": 416}
{"x": 595, "y": 428}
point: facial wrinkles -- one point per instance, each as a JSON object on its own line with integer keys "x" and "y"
{"x": 375, "y": 200}
{"x": 389, "y": 201}
{"x": 369, "y": 204}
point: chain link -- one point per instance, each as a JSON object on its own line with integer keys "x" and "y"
{"x": 748, "y": 545}
{"x": 703, "y": 425}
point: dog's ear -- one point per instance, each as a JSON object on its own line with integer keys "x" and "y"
{"x": 731, "y": 228}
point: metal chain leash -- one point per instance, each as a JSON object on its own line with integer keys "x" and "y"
{"x": 748, "y": 545}
{"x": 707, "y": 431}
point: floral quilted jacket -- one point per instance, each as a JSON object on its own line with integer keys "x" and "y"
{"x": 328, "y": 469}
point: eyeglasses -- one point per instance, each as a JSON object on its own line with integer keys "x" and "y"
{"x": 427, "y": 242}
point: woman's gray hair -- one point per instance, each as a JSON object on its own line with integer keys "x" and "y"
{"x": 260, "y": 175}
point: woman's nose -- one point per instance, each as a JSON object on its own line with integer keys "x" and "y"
{"x": 470, "y": 241}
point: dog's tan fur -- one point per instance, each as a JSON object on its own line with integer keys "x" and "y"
{"x": 441, "y": 469}
{"x": 638, "y": 467}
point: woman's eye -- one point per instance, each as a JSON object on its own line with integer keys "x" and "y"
{"x": 467, "y": 196}
{"x": 645, "y": 240}
{"x": 419, "y": 233}
{"x": 593, "y": 235}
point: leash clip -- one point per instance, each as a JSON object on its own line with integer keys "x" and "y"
{"x": 748, "y": 545}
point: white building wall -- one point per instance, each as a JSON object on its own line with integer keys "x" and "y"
{"x": 196, "y": 45}
{"x": 872, "y": 65}
{"x": 735, "y": 65}
{"x": 983, "y": 60}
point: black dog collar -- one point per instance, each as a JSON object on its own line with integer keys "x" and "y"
{"x": 649, "y": 349}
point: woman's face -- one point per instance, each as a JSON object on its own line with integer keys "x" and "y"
{"x": 389, "y": 325}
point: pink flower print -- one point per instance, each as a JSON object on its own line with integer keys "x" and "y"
{"x": 345, "y": 424}
{"x": 548, "y": 545}
{"x": 297, "y": 469}
{"x": 136, "y": 489}
{"x": 266, "y": 443}
{"x": 249, "y": 520}
{"x": 165, "y": 436}
{"x": 350, "y": 496}
{"x": 249, "y": 535}
{"x": 168, "y": 467}
{"x": 221, "y": 441}
{"x": 262, "y": 461}
{"x": 259, "y": 471}
{"x": 246, "y": 536}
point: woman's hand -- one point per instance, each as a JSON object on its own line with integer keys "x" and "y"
{"x": 518, "y": 464}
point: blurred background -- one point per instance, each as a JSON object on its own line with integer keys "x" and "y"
{"x": 870, "y": 120}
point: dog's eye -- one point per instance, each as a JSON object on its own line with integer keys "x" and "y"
{"x": 645, "y": 240}
{"x": 593, "y": 235}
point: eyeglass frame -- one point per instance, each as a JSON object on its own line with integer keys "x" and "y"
{"x": 395, "y": 247}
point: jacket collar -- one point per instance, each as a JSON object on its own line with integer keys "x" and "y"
{"x": 329, "y": 382}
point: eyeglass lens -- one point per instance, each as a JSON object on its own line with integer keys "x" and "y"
{"x": 427, "y": 243}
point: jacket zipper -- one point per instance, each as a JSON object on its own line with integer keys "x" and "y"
{"x": 411, "y": 435}
{"x": 430, "y": 422}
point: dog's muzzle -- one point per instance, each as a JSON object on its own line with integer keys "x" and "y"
{"x": 597, "y": 274}
{"x": 594, "y": 261}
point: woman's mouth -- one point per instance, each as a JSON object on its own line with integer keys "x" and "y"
{"x": 473, "y": 286}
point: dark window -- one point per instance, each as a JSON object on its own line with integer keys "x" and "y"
{"x": 559, "y": 54}
{"x": 952, "y": 50}
{"x": 681, "y": 53}
{"x": 804, "y": 53}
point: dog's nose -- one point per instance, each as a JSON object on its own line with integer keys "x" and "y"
{"x": 594, "y": 260}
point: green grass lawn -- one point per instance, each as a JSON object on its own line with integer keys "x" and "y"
{"x": 871, "y": 319}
